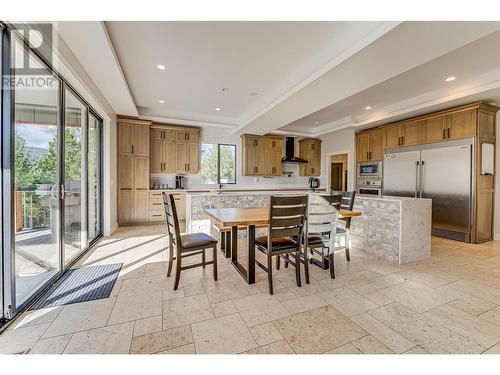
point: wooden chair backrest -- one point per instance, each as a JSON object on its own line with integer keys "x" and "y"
{"x": 172, "y": 220}
{"x": 323, "y": 215}
{"x": 287, "y": 215}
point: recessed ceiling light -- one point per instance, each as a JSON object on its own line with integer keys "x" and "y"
{"x": 316, "y": 122}
{"x": 254, "y": 94}
{"x": 161, "y": 101}
{"x": 225, "y": 89}
{"x": 449, "y": 79}
{"x": 368, "y": 107}
{"x": 161, "y": 67}
{"x": 217, "y": 108}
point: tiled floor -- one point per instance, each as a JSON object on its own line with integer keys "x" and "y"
{"x": 449, "y": 303}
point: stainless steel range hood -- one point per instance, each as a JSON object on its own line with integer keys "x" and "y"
{"x": 290, "y": 152}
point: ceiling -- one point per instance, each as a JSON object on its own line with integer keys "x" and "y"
{"x": 304, "y": 78}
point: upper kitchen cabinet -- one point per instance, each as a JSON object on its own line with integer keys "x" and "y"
{"x": 174, "y": 149}
{"x": 262, "y": 155}
{"x": 370, "y": 145}
{"x": 404, "y": 135}
{"x": 456, "y": 125}
{"x": 310, "y": 150}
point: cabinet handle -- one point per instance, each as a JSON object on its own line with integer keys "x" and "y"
{"x": 312, "y": 170}
{"x": 132, "y": 149}
{"x": 444, "y": 133}
{"x": 448, "y": 132}
{"x": 402, "y": 140}
{"x": 189, "y": 165}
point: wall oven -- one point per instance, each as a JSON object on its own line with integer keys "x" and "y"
{"x": 370, "y": 169}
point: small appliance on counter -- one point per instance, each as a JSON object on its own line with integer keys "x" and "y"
{"x": 180, "y": 182}
{"x": 313, "y": 183}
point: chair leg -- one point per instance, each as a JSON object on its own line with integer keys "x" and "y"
{"x": 278, "y": 262}
{"x": 297, "y": 267}
{"x": 178, "y": 271}
{"x": 286, "y": 261}
{"x": 215, "y": 263}
{"x": 270, "y": 272}
{"x": 306, "y": 266}
{"x": 331, "y": 260}
{"x": 170, "y": 259}
{"x": 203, "y": 258}
{"x": 347, "y": 246}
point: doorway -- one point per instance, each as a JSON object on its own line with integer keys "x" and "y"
{"x": 338, "y": 172}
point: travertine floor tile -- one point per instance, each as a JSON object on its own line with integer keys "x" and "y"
{"x": 148, "y": 325}
{"x": 186, "y": 349}
{"x": 476, "y": 328}
{"x": 260, "y": 308}
{"x": 113, "y": 339}
{"x": 35, "y": 317}
{"x": 416, "y": 350}
{"x": 227, "y": 334}
{"x": 80, "y": 317}
{"x": 278, "y": 347}
{"x": 187, "y": 310}
{"x": 21, "y": 339}
{"x": 370, "y": 345}
{"x": 224, "y": 308}
{"x": 345, "y": 349}
{"x": 296, "y": 306}
{"x": 492, "y": 316}
{"x": 128, "y": 308}
{"x": 347, "y": 301}
{"x": 319, "y": 330}
{"x": 380, "y": 331}
{"x": 161, "y": 341}
{"x": 265, "y": 334}
{"x": 416, "y": 296}
{"x": 52, "y": 345}
{"x": 493, "y": 350}
{"x": 224, "y": 290}
{"x": 430, "y": 335}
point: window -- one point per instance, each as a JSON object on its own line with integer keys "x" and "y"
{"x": 218, "y": 164}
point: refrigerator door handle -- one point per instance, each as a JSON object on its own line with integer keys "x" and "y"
{"x": 417, "y": 177}
{"x": 421, "y": 179}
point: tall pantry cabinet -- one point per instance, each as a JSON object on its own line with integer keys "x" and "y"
{"x": 133, "y": 170}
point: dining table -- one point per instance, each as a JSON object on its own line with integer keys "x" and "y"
{"x": 232, "y": 219}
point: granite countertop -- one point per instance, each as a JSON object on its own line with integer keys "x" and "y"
{"x": 218, "y": 192}
{"x": 388, "y": 197}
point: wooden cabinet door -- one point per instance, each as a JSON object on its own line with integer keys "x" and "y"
{"x": 125, "y": 138}
{"x": 156, "y": 133}
{"x": 462, "y": 125}
{"x": 261, "y": 163}
{"x": 277, "y": 155}
{"x": 362, "y": 147}
{"x": 305, "y": 168}
{"x": 268, "y": 161}
{"x": 250, "y": 161}
{"x": 435, "y": 129}
{"x": 141, "y": 140}
{"x": 412, "y": 133}
{"x": 181, "y": 156}
{"x": 141, "y": 172}
{"x": 125, "y": 206}
{"x": 141, "y": 205}
{"x": 377, "y": 145}
{"x": 315, "y": 163}
{"x": 393, "y": 137}
{"x": 156, "y": 157}
{"x": 169, "y": 157}
{"x": 126, "y": 172}
{"x": 193, "y": 155}
{"x": 187, "y": 135}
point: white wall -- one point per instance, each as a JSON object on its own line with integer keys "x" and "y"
{"x": 220, "y": 135}
{"x": 338, "y": 142}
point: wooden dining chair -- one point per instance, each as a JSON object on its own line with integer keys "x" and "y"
{"x": 185, "y": 245}
{"x": 321, "y": 230}
{"x": 284, "y": 236}
{"x": 347, "y": 203}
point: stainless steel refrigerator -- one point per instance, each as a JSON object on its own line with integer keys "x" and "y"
{"x": 441, "y": 172}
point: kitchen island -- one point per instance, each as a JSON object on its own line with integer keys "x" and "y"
{"x": 396, "y": 229}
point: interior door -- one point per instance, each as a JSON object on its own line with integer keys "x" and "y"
{"x": 401, "y": 173}
{"x": 336, "y": 177}
{"x": 446, "y": 179}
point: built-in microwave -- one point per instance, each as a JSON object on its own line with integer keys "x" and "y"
{"x": 370, "y": 169}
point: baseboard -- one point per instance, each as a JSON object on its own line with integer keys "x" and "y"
{"x": 496, "y": 237}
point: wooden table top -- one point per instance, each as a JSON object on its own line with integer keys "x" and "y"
{"x": 228, "y": 217}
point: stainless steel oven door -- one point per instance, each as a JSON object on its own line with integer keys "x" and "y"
{"x": 369, "y": 190}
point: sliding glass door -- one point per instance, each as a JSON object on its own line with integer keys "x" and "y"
{"x": 94, "y": 177}
{"x": 51, "y": 175}
{"x": 75, "y": 224}
{"x": 36, "y": 172}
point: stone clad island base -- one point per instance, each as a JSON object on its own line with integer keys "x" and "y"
{"x": 396, "y": 229}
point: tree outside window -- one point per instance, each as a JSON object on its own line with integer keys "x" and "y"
{"x": 218, "y": 164}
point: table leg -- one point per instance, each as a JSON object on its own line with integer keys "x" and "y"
{"x": 234, "y": 244}
{"x": 251, "y": 254}
{"x": 227, "y": 236}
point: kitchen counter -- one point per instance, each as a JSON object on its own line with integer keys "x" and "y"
{"x": 397, "y": 229}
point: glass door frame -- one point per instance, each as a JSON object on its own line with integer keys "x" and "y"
{"x": 8, "y": 306}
